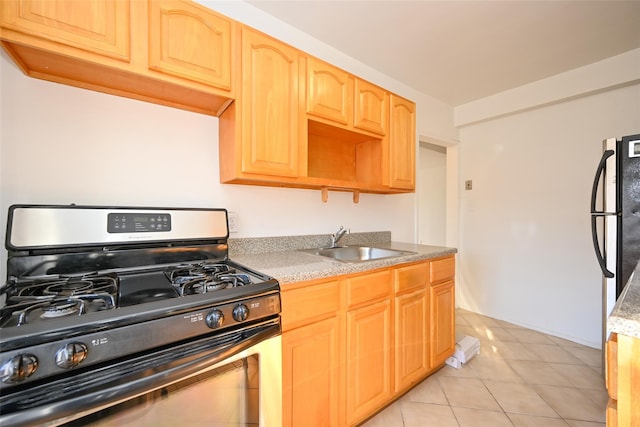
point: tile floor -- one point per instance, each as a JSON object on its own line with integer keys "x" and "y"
{"x": 521, "y": 378}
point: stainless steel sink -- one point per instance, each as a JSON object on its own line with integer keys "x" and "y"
{"x": 352, "y": 254}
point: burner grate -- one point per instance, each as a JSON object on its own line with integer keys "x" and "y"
{"x": 200, "y": 278}
{"x": 52, "y": 298}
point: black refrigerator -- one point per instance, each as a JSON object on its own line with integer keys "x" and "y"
{"x": 615, "y": 215}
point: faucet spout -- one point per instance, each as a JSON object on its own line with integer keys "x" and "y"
{"x": 336, "y": 237}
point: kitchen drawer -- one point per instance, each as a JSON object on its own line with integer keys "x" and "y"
{"x": 309, "y": 304}
{"x": 368, "y": 288}
{"x": 611, "y": 370}
{"x": 411, "y": 277}
{"x": 442, "y": 269}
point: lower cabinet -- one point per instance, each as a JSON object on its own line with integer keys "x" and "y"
{"x": 310, "y": 358}
{"x": 623, "y": 380}
{"x": 353, "y": 344}
{"x": 311, "y": 355}
{"x": 412, "y": 339}
{"x": 368, "y": 359}
{"x": 442, "y": 322}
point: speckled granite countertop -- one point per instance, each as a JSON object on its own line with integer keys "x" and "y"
{"x": 625, "y": 317}
{"x": 282, "y": 258}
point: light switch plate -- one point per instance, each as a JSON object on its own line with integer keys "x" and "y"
{"x": 468, "y": 184}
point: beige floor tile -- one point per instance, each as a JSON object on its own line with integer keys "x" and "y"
{"x": 493, "y": 333}
{"x": 478, "y": 418}
{"x": 564, "y": 342}
{"x": 464, "y": 372}
{"x": 520, "y": 399}
{"x": 575, "y": 423}
{"x": 417, "y": 414}
{"x": 428, "y": 391}
{"x": 599, "y": 396}
{"x": 520, "y": 420}
{"x": 571, "y": 403}
{"x": 589, "y": 356}
{"x": 468, "y": 393}
{"x": 510, "y": 350}
{"x": 536, "y": 372}
{"x": 552, "y": 353}
{"x": 521, "y": 378}
{"x": 479, "y": 320}
{"x": 391, "y": 416}
{"x": 531, "y": 337}
{"x": 492, "y": 369}
{"x": 580, "y": 376}
{"x": 460, "y": 320}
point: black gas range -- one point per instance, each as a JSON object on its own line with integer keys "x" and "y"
{"x": 91, "y": 289}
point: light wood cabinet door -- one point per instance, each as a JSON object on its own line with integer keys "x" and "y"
{"x": 310, "y": 360}
{"x": 411, "y": 338}
{"x": 269, "y": 106}
{"x": 402, "y": 144}
{"x": 371, "y": 107}
{"x": 169, "y": 52}
{"x": 623, "y": 380}
{"x": 329, "y": 92}
{"x": 442, "y": 322}
{"x": 102, "y": 27}
{"x": 368, "y": 359}
{"x": 190, "y": 42}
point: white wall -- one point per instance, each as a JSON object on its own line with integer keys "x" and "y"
{"x": 525, "y": 246}
{"x": 432, "y": 199}
{"x": 60, "y": 144}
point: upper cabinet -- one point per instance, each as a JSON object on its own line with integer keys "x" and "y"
{"x": 173, "y": 53}
{"x": 402, "y": 144}
{"x": 207, "y": 59}
{"x": 96, "y": 26}
{"x": 260, "y": 133}
{"x": 329, "y": 92}
{"x": 286, "y": 118}
{"x": 372, "y": 107}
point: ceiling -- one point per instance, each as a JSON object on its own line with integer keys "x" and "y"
{"x": 460, "y": 51}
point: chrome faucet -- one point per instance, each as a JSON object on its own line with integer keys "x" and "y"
{"x": 336, "y": 237}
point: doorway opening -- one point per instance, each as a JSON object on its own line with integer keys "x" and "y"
{"x": 437, "y": 193}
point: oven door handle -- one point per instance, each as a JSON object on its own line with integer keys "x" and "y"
{"x": 127, "y": 379}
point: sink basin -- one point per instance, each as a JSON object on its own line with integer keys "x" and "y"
{"x": 352, "y": 254}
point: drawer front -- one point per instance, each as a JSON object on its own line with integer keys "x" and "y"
{"x": 368, "y": 288}
{"x": 412, "y": 277}
{"x": 306, "y": 305}
{"x": 442, "y": 269}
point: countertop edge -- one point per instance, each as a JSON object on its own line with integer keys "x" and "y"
{"x": 292, "y": 266}
{"x": 625, "y": 316}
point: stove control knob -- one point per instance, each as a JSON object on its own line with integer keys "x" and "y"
{"x": 71, "y": 355}
{"x": 214, "y": 319}
{"x": 240, "y": 312}
{"x": 18, "y": 368}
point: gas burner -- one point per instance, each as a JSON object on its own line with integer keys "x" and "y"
{"x": 60, "y": 309}
{"x": 53, "y": 298}
{"x": 205, "y": 277}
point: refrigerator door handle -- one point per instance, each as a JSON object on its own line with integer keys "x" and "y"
{"x": 595, "y": 214}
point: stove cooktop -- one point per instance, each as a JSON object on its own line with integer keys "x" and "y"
{"x": 37, "y": 300}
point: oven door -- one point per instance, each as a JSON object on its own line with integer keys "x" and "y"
{"x": 135, "y": 391}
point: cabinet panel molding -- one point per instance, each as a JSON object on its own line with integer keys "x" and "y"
{"x": 269, "y": 106}
{"x": 206, "y": 60}
{"x": 411, "y": 338}
{"x": 368, "y": 359}
{"x": 99, "y": 26}
{"x": 310, "y": 360}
